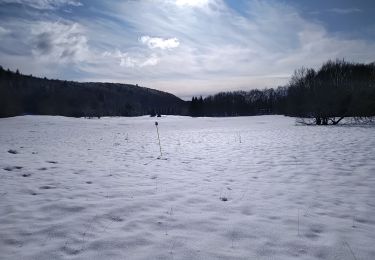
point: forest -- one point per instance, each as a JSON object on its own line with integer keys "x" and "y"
{"x": 337, "y": 90}
{"x": 325, "y": 96}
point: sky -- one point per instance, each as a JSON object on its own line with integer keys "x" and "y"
{"x": 185, "y": 47}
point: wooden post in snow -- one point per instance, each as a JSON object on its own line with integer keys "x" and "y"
{"x": 157, "y": 130}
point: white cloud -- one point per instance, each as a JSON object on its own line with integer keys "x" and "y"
{"x": 43, "y": 4}
{"x": 156, "y": 42}
{"x": 127, "y": 60}
{"x": 59, "y": 42}
{"x": 151, "y": 61}
{"x": 193, "y": 3}
{"x": 345, "y": 10}
{"x": 3, "y": 31}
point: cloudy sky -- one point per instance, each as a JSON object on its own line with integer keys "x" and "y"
{"x": 186, "y": 47}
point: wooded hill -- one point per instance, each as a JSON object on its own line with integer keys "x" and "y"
{"x": 21, "y": 94}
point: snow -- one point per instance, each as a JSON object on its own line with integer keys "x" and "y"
{"x": 225, "y": 188}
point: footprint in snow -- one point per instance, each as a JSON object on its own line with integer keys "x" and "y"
{"x": 224, "y": 199}
{"x": 53, "y": 162}
{"x": 47, "y": 187}
{"x": 11, "y": 168}
{"x": 116, "y": 219}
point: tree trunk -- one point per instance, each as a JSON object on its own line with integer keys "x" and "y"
{"x": 338, "y": 121}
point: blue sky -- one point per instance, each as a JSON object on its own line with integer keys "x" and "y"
{"x": 186, "y": 47}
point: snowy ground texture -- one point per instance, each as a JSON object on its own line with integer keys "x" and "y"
{"x": 226, "y": 188}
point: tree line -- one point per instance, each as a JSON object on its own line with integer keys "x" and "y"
{"x": 337, "y": 90}
{"x": 241, "y": 103}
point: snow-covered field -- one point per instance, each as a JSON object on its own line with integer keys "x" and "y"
{"x": 225, "y": 188}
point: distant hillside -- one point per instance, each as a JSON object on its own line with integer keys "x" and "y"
{"x": 21, "y": 94}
